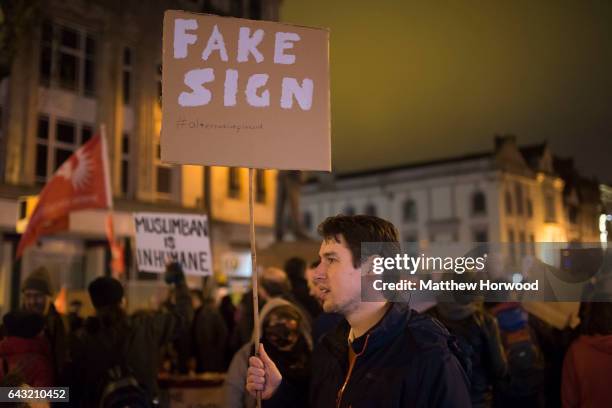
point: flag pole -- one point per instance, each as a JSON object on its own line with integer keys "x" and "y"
{"x": 110, "y": 228}
{"x": 105, "y": 161}
{"x": 254, "y": 280}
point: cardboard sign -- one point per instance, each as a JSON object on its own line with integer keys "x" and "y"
{"x": 181, "y": 237}
{"x": 244, "y": 93}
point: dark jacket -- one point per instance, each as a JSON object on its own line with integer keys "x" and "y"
{"x": 57, "y": 334}
{"x": 136, "y": 341}
{"x": 403, "y": 361}
{"x": 478, "y": 334}
{"x": 30, "y": 359}
{"x": 210, "y": 339}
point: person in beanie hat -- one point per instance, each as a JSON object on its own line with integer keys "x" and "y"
{"x": 36, "y": 291}
{"x": 25, "y": 352}
{"x": 37, "y": 297}
{"x": 112, "y": 336}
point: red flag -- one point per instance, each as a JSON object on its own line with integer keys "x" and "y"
{"x": 81, "y": 182}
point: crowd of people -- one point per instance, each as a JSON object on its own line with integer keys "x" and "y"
{"x": 320, "y": 344}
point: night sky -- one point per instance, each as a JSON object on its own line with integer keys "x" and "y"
{"x": 416, "y": 80}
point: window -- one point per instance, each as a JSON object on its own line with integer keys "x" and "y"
{"x": 349, "y": 210}
{"x": 233, "y": 182}
{"x": 572, "y": 214}
{"x": 370, "y": 209}
{"x": 411, "y": 237}
{"x": 508, "y": 199}
{"x": 479, "y": 203}
{"x": 522, "y": 243}
{"x": 46, "y": 52}
{"x": 512, "y": 245}
{"x": 260, "y": 186}
{"x": 549, "y": 208}
{"x": 125, "y": 164}
{"x": 163, "y": 175}
{"x": 65, "y": 135}
{"x": 86, "y": 133}
{"x": 127, "y": 76}
{"x": 529, "y": 208}
{"x": 56, "y": 141}
{"x": 409, "y": 211}
{"x": 307, "y": 220}
{"x": 255, "y": 9}
{"x": 67, "y": 58}
{"x": 519, "y": 198}
{"x": 411, "y": 243}
{"x": 42, "y": 148}
{"x": 481, "y": 235}
{"x": 164, "y": 183}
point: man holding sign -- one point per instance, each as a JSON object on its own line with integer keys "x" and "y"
{"x": 245, "y": 93}
{"x": 383, "y": 354}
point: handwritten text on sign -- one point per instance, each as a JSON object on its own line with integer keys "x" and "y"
{"x": 244, "y": 93}
{"x": 184, "y": 238}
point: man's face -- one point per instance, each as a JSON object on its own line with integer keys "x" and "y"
{"x": 337, "y": 279}
{"x": 35, "y": 301}
{"x": 313, "y": 287}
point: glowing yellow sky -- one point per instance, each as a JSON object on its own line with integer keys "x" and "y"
{"x": 418, "y": 80}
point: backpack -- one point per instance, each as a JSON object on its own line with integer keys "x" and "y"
{"x": 119, "y": 388}
{"x": 524, "y": 357}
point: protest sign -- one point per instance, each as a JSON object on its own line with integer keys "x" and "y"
{"x": 244, "y": 93}
{"x": 182, "y": 237}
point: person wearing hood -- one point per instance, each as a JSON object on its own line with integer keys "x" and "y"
{"x": 588, "y": 359}
{"x": 25, "y": 352}
{"x": 478, "y": 334}
{"x": 286, "y": 338}
{"x": 382, "y": 354}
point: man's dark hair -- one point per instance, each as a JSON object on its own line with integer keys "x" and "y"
{"x": 358, "y": 229}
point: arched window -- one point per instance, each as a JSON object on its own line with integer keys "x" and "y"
{"x": 479, "y": 203}
{"x": 409, "y": 211}
{"x": 508, "y": 200}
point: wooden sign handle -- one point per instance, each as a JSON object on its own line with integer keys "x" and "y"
{"x": 254, "y": 280}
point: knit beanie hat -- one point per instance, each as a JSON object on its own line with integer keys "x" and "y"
{"x": 38, "y": 280}
{"x": 105, "y": 291}
{"x": 24, "y": 324}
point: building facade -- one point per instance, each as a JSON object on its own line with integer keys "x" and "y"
{"x": 84, "y": 64}
{"x": 510, "y": 194}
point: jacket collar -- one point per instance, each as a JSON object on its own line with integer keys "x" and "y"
{"x": 393, "y": 323}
